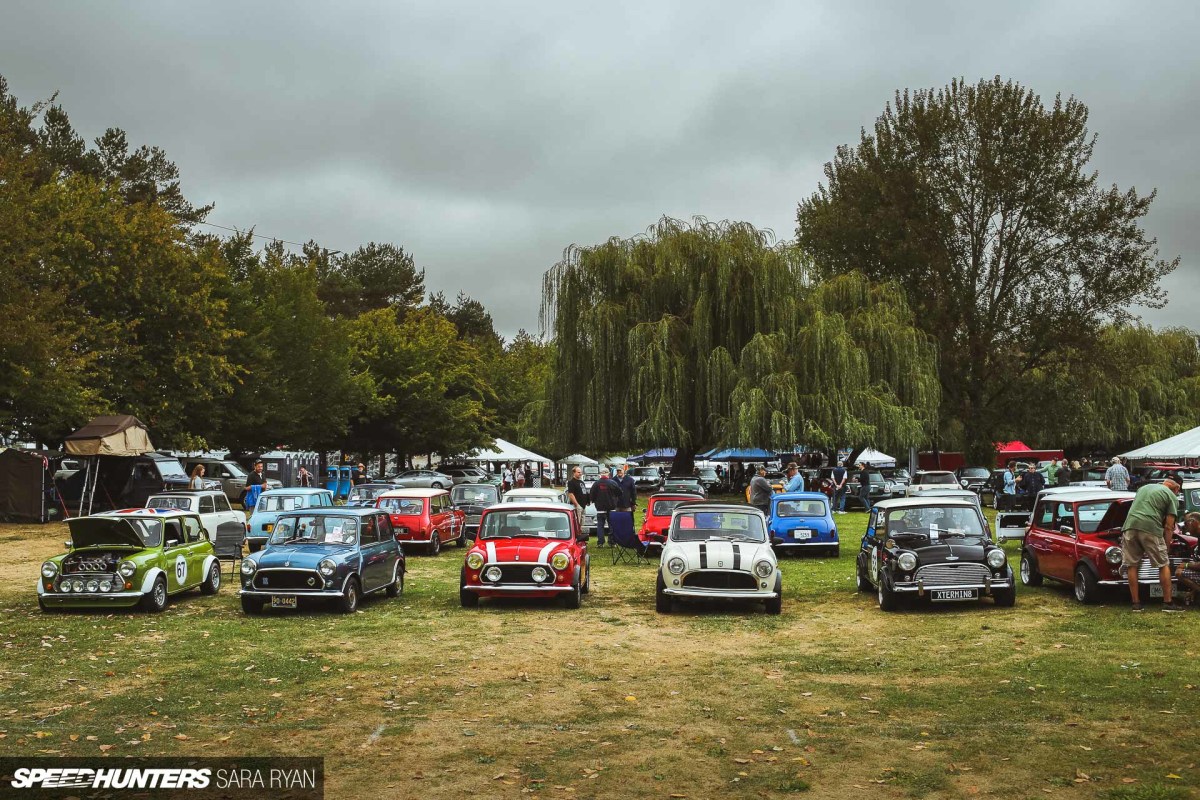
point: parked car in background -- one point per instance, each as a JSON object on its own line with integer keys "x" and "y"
{"x": 709, "y": 479}
{"x": 1074, "y": 537}
{"x": 932, "y": 548}
{"x": 472, "y": 499}
{"x": 1013, "y": 525}
{"x": 1189, "y": 497}
{"x": 119, "y": 559}
{"x": 659, "y": 508}
{"x": 229, "y": 475}
{"x": 424, "y": 517}
{"x": 803, "y": 522}
{"x": 686, "y": 486}
{"x": 274, "y": 502}
{"x": 718, "y": 551}
{"x": 468, "y": 474}
{"x": 974, "y": 479}
{"x": 528, "y": 549}
{"x": 879, "y": 490}
{"x": 1157, "y": 472}
{"x": 421, "y": 479}
{"x": 524, "y": 495}
{"x": 336, "y": 555}
{"x": 925, "y": 480}
{"x": 216, "y": 515}
{"x": 648, "y": 478}
{"x": 365, "y": 493}
{"x": 591, "y": 474}
{"x": 1089, "y": 476}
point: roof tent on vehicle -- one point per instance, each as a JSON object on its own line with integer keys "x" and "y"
{"x": 120, "y": 466}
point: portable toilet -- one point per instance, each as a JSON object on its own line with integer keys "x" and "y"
{"x": 344, "y": 483}
{"x": 331, "y": 479}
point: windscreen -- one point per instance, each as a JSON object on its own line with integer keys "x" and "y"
{"x": 646, "y": 472}
{"x": 512, "y": 524}
{"x": 663, "y": 508}
{"x": 800, "y": 508}
{"x": 474, "y": 495}
{"x": 279, "y": 502}
{"x": 524, "y": 497}
{"x": 937, "y": 479}
{"x": 936, "y": 521}
{"x": 315, "y": 529}
{"x": 700, "y": 526}
{"x": 170, "y": 468}
{"x": 975, "y": 472}
{"x": 402, "y": 506}
{"x": 180, "y": 503}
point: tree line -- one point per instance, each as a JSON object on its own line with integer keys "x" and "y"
{"x": 113, "y": 300}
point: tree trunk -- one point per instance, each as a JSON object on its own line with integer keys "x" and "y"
{"x": 684, "y": 464}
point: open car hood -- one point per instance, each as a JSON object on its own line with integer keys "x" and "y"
{"x": 93, "y": 531}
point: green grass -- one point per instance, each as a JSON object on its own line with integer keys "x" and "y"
{"x": 833, "y": 698}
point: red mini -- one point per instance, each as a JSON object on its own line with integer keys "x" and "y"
{"x": 424, "y": 517}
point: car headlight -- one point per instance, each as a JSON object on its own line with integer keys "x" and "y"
{"x": 907, "y": 561}
{"x": 963, "y": 483}
{"x": 560, "y": 561}
{"x": 475, "y": 560}
{"x": 492, "y": 574}
{"x": 76, "y": 585}
{"x": 93, "y": 585}
{"x": 127, "y": 569}
{"x": 1113, "y": 555}
{"x": 49, "y": 570}
{"x": 326, "y": 567}
{"x": 676, "y": 566}
{"x": 106, "y": 586}
{"x": 248, "y": 566}
{"x": 539, "y": 574}
{"x": 763, "y": 568}
{"x": 996, "y": 558}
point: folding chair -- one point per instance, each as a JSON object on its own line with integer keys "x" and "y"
{"x": 228, "y": 545}
{"x": 626, "y": 547}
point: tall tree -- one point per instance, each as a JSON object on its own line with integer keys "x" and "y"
{"x": 709, "y": 334}
{"x": 372, "y": 277}
{"x": 979, "y": 203}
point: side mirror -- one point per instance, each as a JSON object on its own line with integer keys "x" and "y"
{"x": 172, "y": 543}
{"x": 1066, "y": 530}
{"x": 68, "y": 544}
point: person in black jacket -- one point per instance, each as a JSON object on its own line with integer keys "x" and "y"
{"x": 606, "y": 496}
{"x": 628, "y": 489}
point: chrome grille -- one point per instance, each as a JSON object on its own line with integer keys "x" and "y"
{"x": 720, "y": 579}
{"x": 952, "y": 574}
{"x": 290, "y": 579}
{"x": 1148, "y": 573}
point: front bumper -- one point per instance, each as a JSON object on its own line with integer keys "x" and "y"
{"x": 723, "y": 594}
{"x": 290, "y": 593}
{"x": 517, "y": 589}
{"x": 919, "y": 588}
{"x": 90, "y": 600}
{"x": 806, "y": 543}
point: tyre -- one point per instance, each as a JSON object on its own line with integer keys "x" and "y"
{"x": 835, "y": 551}
{"x": 435, "y": 543}
{"x": 573, "y": 598}
{"x": 775, "y": 604}
{"x": 252, "y": 605}
{"x": 587, "y": 576}
{"x": 864, "y": 585}
{"x": 466, "y": 598}
{"x": 156, "y": 600}
{"x": 397, "y": 585}
{"x": 461, "y": 541}
{"x": 212, "y": 583}
{"x": 887, "y": 598}
{"x": 1029, "y": 570}
{"x": 348, "y": 604}
{"x": 662, "y": 601}
{"x": 1087, "y": 588}
{"x": 436, "y": 485}
{"x": 1005, "y": 598}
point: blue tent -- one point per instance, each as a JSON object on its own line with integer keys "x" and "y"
{"x": 660, "y": 454}
{"x": 742, "y": 454}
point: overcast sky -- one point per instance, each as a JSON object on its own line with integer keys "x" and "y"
{"x": 486, "y": 137}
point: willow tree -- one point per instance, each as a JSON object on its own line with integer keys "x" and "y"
{"x": 711, "y": 334}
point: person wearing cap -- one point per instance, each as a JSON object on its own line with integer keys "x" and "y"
{"x": 1116, "y": 477}
{"x": 1188, "y": 573}
{"x": 795, "y": 481}
{"x": 1147, "y": 533}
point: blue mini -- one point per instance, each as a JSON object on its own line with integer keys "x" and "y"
{"x": 274, "y": 502}
{"x": 803, "y": 521}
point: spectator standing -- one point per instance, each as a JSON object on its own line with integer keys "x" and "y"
{"x": 628, "y": 489}
{"x": 1032, "y": 481}
{"x": 840, "y": 476}
{"x": 362, "y": 474}
{"x": 795, "y": 481}
{"x": 1009, "y": 490}
{"x": 1052, "y": 472}
{"x": 1065, "y": 474}
{"x": 1116, "y": 477}
{"x": 576, "y": 494}
{"x": 864, "y": 486}
{"x": 506, "y": 478}
{"x": 606, "y": 496}
{"x": 1188, "y": 573}
{"x": 197, "y": 481}
{"x": 304, "y": 476}
{"x": 760, "y": 491}
{"x": 1147, "y": 533}
{"x": 256, "y": 477}
{"x": 528, "y": 476}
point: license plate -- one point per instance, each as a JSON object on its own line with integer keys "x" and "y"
{"x": 949, "y": 595}
{"x": 283, "y": 601}
{"x": 1156, "y": 590}
{"x": 802, "y": 535}
{"x": 268, "y": 527}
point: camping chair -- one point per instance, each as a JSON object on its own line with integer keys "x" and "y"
{"x": 228, "y": 545}
{"x": 627, "y": 548}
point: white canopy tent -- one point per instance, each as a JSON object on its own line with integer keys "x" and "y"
{"x": 873, "y": 458}
{"x": 578, "y": 460}
{"x": 1180, "y": 446}
{"x": 503, "y": 450}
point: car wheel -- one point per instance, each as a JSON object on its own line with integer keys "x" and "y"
{"x": 435, "y": 544}
{"x": 864, "y": 585}
{"x": 397, "y": 585}
{"x": 573, "y": 598}
{"x": 349, "y": 602}
{"x": 1087, "y": 588}
{"x": 662, "y": 601}
{"x": 466, "y": 598}
{"x": 775, "y": 604}
{"x": 156, "y": 600}
{"x": 887, "y": 598}
{"x": 212, "y": 584}
{"x": 587, "y": 576}
{"x": 1029, "y": 571}
{"x": 461, "y": 541}
{"x": 252, "y": 605}
{"x": 1005, "y": 598}
{"x": 835, "y": 551}
{"x": 436, "y": 485}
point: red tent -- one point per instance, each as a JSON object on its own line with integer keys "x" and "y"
{"x": 1019, "y": 451}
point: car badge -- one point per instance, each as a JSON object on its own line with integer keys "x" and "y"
{"x": 287, "y": 563}
{"x": 952, "y": 558}
{"x": 720, "y": 563}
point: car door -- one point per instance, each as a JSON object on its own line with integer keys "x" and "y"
{"x": 197, "y": 547}
{"x": 208, "y": 516}
{"x": 374, "y": 556}
{"x": 1045, "y": 541}
{"x": 438, "y": 517}
{"x": 391, "y": 547}
{"x": 1062, "y": 542}
{"x": 175, "y": 555}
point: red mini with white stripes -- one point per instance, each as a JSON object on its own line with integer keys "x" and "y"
{"x": 534, "y": 549}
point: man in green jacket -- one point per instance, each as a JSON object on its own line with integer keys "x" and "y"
{"x": 1147, "y": 533}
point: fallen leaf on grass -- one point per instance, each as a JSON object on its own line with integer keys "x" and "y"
{"x": 183, "y": 737}
{"x": 104, "y": 748}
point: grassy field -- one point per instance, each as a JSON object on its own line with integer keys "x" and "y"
{"x": 416, "y": 697}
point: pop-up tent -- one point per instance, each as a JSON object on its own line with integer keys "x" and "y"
{"x": 25, "y": 480}
{"x": 108, "y": 445}
{"x": 578, "y": 460}
{"x": 873, "y": 458}
{"x": 1182, "y": 446}
{"x": 504, "y": 451}
{"x": 742, "y": 454}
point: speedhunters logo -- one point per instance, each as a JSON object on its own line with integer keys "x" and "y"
{"x": 194, "y": 778}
